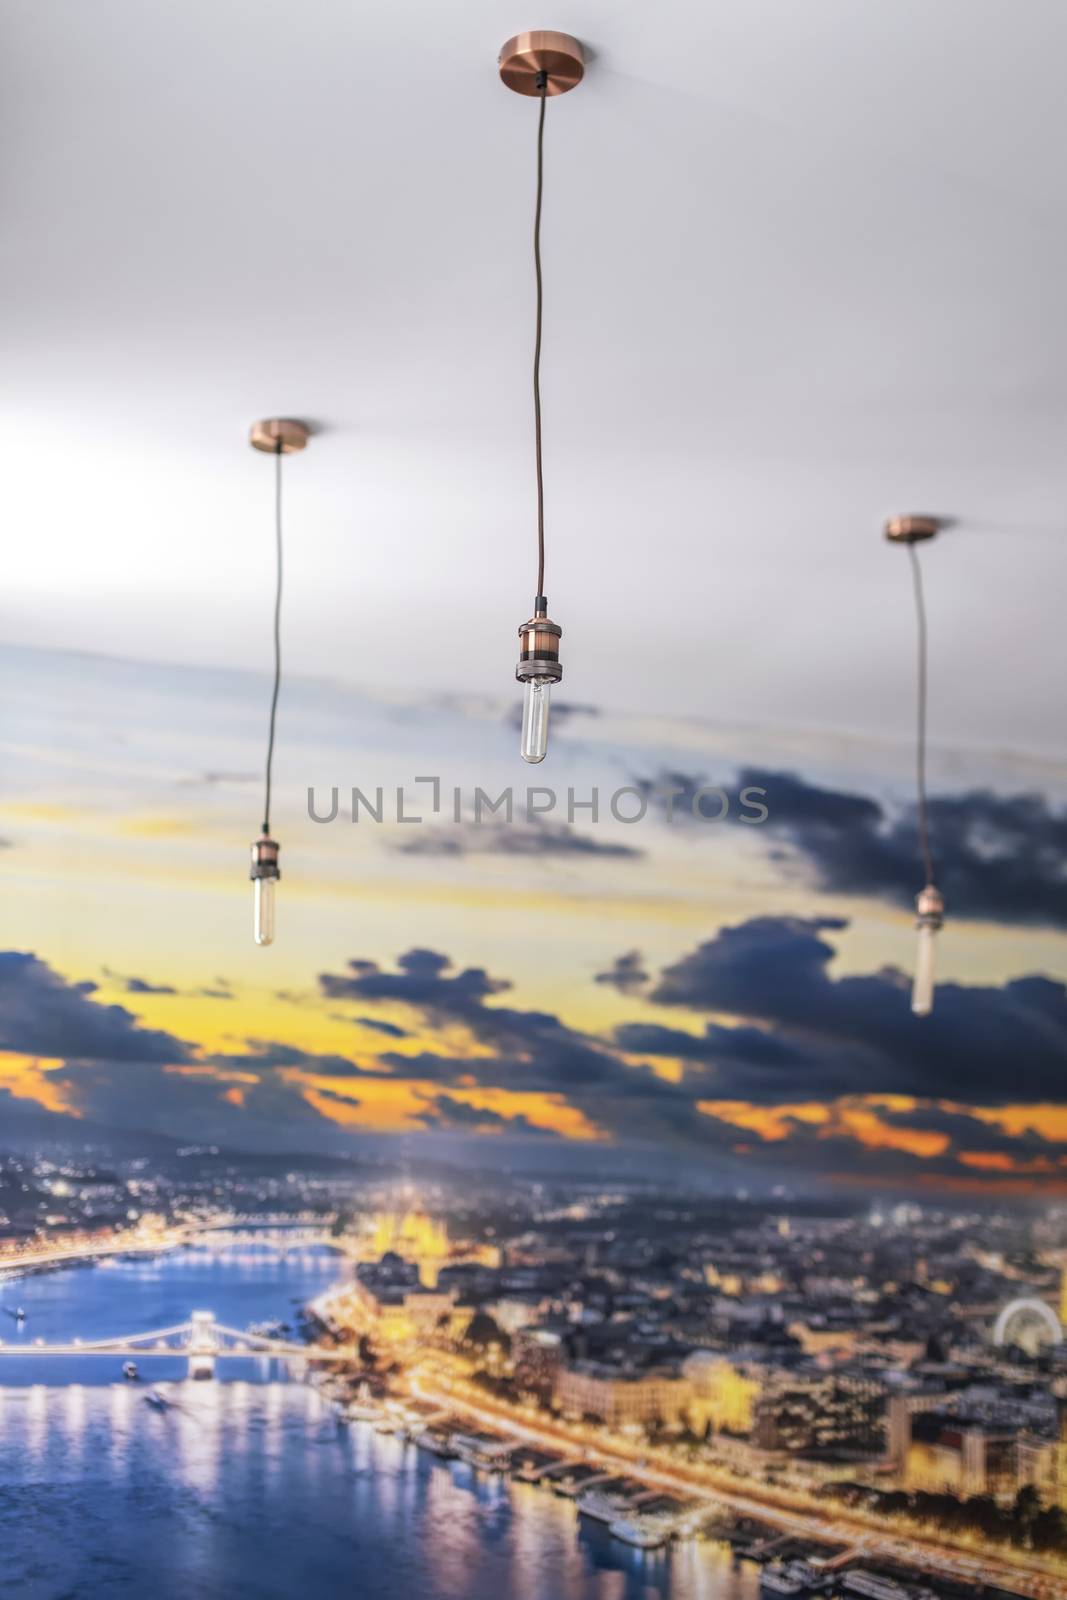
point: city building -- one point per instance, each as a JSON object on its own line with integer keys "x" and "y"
{"x": 537, "y": 1355}
{"x": 840, "y": 1414}
{"x": 950, "y": 1456}
{"x": 622, "y": 1397}
{"x": 724, "y": 1394}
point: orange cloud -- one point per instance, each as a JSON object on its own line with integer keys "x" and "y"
{"x": 377, "y": 1104}
{"x": 853, "y": 1118}
{"x": 771, "y": 1123}
{"x": 549, "y": 1111}
{"x": 865, "y": 1126}
{"x": 27, "y": 1078}
{"x": 1049, "y": 1121}
{"x": 999, "y": 1161}
{"x": 384, "y": 1105}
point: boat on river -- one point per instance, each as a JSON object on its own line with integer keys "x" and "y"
{"x": 872, "y": 1586}
{"x": 644, "y": 1533}
{"x": 438, "y": 1441}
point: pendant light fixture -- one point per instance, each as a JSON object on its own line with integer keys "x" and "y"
{"x": 929, "y": 905}
{"x": 540, "y": 64}
{"x": 278, "y": 436}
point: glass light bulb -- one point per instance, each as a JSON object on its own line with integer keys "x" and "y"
{"x": 263, "y": 910}
{"x": 535, "y": 719}
{"x": 922, "y": 993}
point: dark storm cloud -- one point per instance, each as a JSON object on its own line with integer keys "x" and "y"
{"x": 973, "y": 1134}
{"x": 518, "y": 1051}
{"x": 756, "y": 1044}
{"x": 626, "y": 973}
{"x": 219, "y": 991}
{"x": 138, "y": 1095}
{"x": 794, "y": 803}
{"x": 552, "y": 1061}
{"x": 997, "y": 857}
{"x": 445, "y": 1113}
{"x": 42, "y": 1014}
{"x": 527, "y": 1050}
{"x": 390, "y": 1029}
{"x": 686, "y": 798}
{"x": 513, "y": 839}
{"x": 536, "y": 1052}
{"x": 799, "y": 1034}
{"x": 142, "y": 985}
{"x": 1001, "y": 858}
{"x": 337, "y": 1097}
{"x": 804, "y": 1033}
{"x": 765, "y": 962}
{"x": 422, "y": 980}
{"x": 266, "y": 1055}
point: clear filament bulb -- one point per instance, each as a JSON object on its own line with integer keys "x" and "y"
{"x": 922, "y": 992}
{"x": 263, "y": 910}
{"x": 535, "y": 719}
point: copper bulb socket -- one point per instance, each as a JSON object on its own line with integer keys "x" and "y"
{"x": 912, "y": 529}
{"x": 539, "y": 648}
{"x": 265, "y": 858}
{"x": 285, "y": 432}
{"x": 542, "y": 62}
{"x": 930, "y": 907}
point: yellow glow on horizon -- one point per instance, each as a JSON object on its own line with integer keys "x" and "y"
{"x": 43, "y": 811}
{"x": 1000, "y": 1161}
{"x": 159, "y": 827}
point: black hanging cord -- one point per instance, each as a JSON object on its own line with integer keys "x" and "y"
{"x": 543, "y": 86}
{"x": 920, "y": 741}
{"x": 277, "y": 628}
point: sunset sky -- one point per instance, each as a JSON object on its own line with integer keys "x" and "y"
{"x": 732, "y": 996}
{"x": 748, "y": 367}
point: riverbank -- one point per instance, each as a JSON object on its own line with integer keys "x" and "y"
{"x": 914, "y": 1551}
{"x": 637, "y": 1511}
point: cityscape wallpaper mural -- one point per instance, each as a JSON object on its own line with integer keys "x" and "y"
{"x": 690, "y": 940}
{"x": 574, "y": 1143}
{"x": 625, "y": 1162}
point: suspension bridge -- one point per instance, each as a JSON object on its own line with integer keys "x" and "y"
{"x": 202, "y": 1341}
{"x": 281, "y": 1234}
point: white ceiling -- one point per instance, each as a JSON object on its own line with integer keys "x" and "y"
{"x": 806, "y": 266}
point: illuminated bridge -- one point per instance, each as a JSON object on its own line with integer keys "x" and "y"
{"x": 202, "y": 1341}
{"x": 281, "y": 1233}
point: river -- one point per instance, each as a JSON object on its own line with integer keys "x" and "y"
{"x": 246, "y": 1488}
